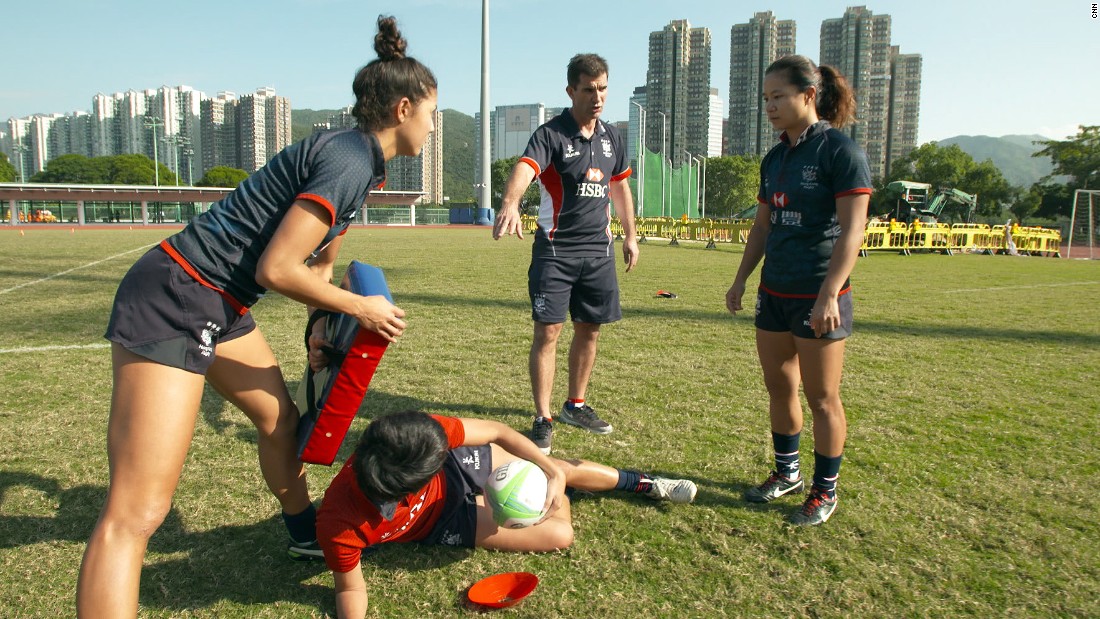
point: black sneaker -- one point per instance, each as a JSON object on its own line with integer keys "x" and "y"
{"x": 773, "y": 487}
{"x": 584, "y": 417}
{"x": 304, "y": 552}
{"x": 542, "y": 431}
{"x": 816, "y": 510}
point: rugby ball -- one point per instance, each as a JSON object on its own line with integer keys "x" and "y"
{"x": 516, "y": 491}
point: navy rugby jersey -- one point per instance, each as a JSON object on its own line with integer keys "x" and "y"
{"x": 575, "y": 174}
{"x": 800, "y": 184}
{"x": 221, "y": 247}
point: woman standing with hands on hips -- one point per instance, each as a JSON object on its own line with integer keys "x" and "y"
{"x": 815, "y": 186}
{"x": 181, "y": 317}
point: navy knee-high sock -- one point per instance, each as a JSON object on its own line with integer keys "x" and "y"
{"x": 786, "y": 454}
{"x": 826, "y": 471}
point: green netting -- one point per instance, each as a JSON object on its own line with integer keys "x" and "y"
{"x": 669, "y": 192}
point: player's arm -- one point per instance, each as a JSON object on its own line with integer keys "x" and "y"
{"x": 623, "y": 201}
{"x": 283, "y": 268}
{"x": 851, "y": 215}
{"x": 508, "y": 219}
{"x": 754, "y": 252}
{"x": 351, "y": 594}
{"x": 482, "y": 431}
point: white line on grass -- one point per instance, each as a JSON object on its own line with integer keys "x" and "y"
{"x": 992, "y": 288}
{"x": 83, "y": 266}
{"x": 6, "y": 351}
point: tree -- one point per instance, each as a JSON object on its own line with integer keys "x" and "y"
{"x": 1055, "y": 200}
{"x": 222, "y": 176}
{"x": 498, "y": 177}
{"x": 8, "y": 173}
{"x": 73, "y": 169}
{"x": 1027, "y": 203}
{"x": 732, "y": 184}
{"x": 951, "y": 168}
{"x": 1078, "y": 157}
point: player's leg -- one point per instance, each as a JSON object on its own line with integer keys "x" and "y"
{"x": 246, "y": 373}
{"x": 779, "y": 364}
{"x": 153, "y": 411}
{"x": 822, "y": 361}
{"x": 549, "y": 282}
{"x": 594, "y": 301}
{"x": 542, "y": 363}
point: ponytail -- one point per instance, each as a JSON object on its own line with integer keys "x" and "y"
{"x": 835, "y": 101}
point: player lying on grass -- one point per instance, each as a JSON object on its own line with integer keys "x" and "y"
{"x": 416, "y": 477}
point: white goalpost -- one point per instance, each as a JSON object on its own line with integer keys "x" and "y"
{"x": 1083, "y": 224}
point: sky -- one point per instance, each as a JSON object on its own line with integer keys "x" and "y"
{"x": 1010, "y": 67}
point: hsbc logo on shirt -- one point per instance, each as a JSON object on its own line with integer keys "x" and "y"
{"x": 779, "y": 200}
{"x": 595, "y": 187}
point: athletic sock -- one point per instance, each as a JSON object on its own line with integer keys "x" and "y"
{"x": 302, "y": 526}
{"x": 826, "y": 471}
{"x": 786, "y": 454}
{"x": 633, "y": 481}
{"x": 575, "y": 403}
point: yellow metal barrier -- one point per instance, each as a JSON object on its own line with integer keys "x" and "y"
{"x": 878, "y": 236}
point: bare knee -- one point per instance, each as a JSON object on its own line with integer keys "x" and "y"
{"x": 135, "y": 521}
{"x": 558, "y": 536}
{"x": 826, "y": 406}
{"x": 546, "y": 335}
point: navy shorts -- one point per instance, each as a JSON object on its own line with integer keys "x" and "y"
{"x": 466, "y": 471}
{"x": 587, "y": 287}
{"x": 165, "y": 315}
{"x": 782, "y": 314}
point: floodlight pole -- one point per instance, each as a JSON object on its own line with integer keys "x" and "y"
{"x": 664, "y": 153}
{"x": 641, "y": 157}
{"x": 485, "y": 195}
{"x": 152, "y": 122}
{"x": 21, "y": 149}
{"x": 691, "y": 158}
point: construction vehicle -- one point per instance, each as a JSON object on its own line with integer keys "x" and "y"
{"x": 915, "y": 204}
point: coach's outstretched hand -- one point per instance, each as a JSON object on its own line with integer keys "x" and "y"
{"x": 508, "y": 222}
{"x": 376, "y": 313}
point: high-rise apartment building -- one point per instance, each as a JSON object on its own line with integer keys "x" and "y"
{"x": 905, "y": 73}
{"x": 858, "y": 44}
{"x": 192, "y": 133}
{"x": 263, "y": 127}
{"x": 511, "y": 126}
{"x": 714, "y": 132}
{"x": 754, "y": 46}
{"x": 218, "y": 128}
{"x": 423, "y": 172}
{"x": 678, "y": 91}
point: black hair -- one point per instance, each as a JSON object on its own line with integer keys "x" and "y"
{"x": 388, "y": 78}
{"x": 398, "y": 454}
{"x": 584, "y": 64}
{"x": 835, "y": 101}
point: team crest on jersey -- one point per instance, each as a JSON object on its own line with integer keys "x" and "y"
{"x": 594, "y": 174}
{"x": 779, "y": 200}
{"x": 809, "y": 177}
{"x": 607, "y": 148}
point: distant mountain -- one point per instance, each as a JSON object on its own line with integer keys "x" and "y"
{"x": 459, "y": 156}
{"x": 459, "y": 148}
{"x": 302, "y": 121}
{"x": 1010, "y": 153}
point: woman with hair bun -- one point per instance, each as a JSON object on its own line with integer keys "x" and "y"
{"x": 181, "y": 318}
{"x": 815, "y": 186}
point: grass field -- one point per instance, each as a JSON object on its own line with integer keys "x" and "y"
{"x": 968, "y": 485}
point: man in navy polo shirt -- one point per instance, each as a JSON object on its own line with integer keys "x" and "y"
{"x": 581, "y": 165}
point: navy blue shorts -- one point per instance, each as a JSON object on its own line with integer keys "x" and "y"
{"x": 783, "y": 314}
{"x": 165, "y": 315}
{"x": 587, "y": 287}
{"x": 466, "y": 471}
